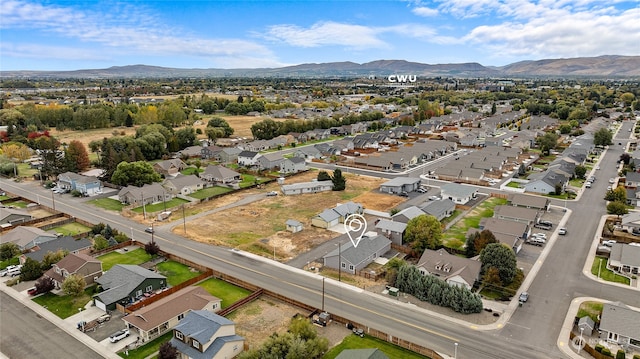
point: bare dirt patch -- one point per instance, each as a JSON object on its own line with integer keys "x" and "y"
{"x": 260, "y": 226}
{"x": 261, "y": 318}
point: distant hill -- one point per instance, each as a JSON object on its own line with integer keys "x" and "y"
{"x": 609, "y": 66}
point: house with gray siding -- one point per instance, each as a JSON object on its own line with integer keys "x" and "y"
{"x": 391, "y": 229}
{"x": 205, "y": 335}
{"x": 306, "y": 187}
{"x": 458, "y": 193}
{"x": 352, "y": 259}
{"x": 620, "y": 324}
{"x": 440, "y": 209}
{"x": 125, "y": 284}
{"x": 220, "y": 174}
{"x": 26, "y": 237}
{"x": 398, "y": 185}
{"x": 87, "y": 185}
{"x": 13, "y": 216}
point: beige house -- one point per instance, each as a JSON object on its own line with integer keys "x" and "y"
{"x": 83, "y": 265}
{"x": 159, "y": 317}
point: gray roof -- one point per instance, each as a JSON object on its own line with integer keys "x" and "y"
{"x": 181, "y": 181}
{"x": 369, "y": 353}
{"x": 66, "y": 243}
{"x": 220, "y": 172}
{"x": 393, "y": 226}
{"x": 366, "y": 246}
{"x": 529, "y": 214}
{"x": 409, "y": 212}
{"x": 348, "y": 208}
{"x": 436, "y": 208}
{"x": 121, "y": 280}
{"x": 329, "y": 215}
{"x": 292, "y": 223}
{"x": 23, "y": 235}
{"x": 401, "y": 181}
{"x": 202, "y": 326}
{"x": 626, "y": 254}
{"x": 524, "y": 200}
{"x": 446, "y": 265}
{"x": 618, "y": 318}
{"x": 303, "y": 185}
{"x": 457, "y": 190}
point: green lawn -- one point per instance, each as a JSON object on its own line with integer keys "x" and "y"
{"x": 592, "y": 309}
{"x": 483, "y": 210}
{"x": 137, "y": 256}
{"x": 513, "y": 184}
{"x": 2, "y": 198}
{"x": 191, "y": 170}
{"x": 160, "y": 206}
{"x": 210, "y": 191}
{"x": 64, "y": 306}
{"x": 108, "y": 204}
{"x": 71, "y": 229}
{"x": 149, "y": 348}
{"x": 19, "y": 204}
{"x": 355, "y": 342}
{"x": 250, "y": 180}
{"x": 600, "y": 265}
{"x": 175, "y": 272}
{"x": 9, "y": 262}
{"x": 228, "y": 292}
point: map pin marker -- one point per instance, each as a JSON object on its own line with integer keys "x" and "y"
{"x": 356, "y": 226}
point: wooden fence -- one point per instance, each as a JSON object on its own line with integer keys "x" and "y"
{"x": 594, "y": 353}
{"x": 253, "y": 296}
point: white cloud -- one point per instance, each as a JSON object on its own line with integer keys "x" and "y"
{"x": 126, "y": 30}
{"x": 326, "y": 34}
{"x": 425, "y": 11}
{"x": 35, "y": 51}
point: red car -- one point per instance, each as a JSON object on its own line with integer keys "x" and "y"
{"x": 32, "y": 291}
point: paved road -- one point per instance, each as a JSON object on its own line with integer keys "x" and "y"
{"x": 531, "y": 332}
{"x": 24, "y": 334}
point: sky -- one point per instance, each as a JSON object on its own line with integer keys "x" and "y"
{"x": 72, "y": 35}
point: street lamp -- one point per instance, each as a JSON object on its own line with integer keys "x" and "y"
{"x": 580, "y": 342}
{"x": 455, "y": 350}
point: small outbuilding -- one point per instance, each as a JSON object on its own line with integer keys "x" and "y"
{"x": 293, "y": 226}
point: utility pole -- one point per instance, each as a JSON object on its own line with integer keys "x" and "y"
{"x": 184, "y": 220}
{"x": 339, "y": 262}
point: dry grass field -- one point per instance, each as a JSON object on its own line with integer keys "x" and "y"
{"x": 260, "y": 226}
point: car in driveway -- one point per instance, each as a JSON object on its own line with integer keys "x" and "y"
{"x": 608, "y": 243}
{"x": 119, "y": 335}
{"x": 272, "y": 194}
{"x": 32, "y": 291}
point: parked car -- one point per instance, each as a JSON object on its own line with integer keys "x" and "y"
{"x": 32, "y": 291}
{"x": 612, "y": 180}
{"x": 434, "y": 198}
{"x": 404, "y": 194}
{"x": 608, "y": 243}
{"x": 422, "y": 190}
{"x": 587, "y": 185}
{"x": 272, "y": 194}
{"x": 562, "y": 231}
{"x": 119, "y": 335}
{"x": 536, "y": 241}
{"x": 359, "y": 332}
{"x": 524, "y": 296}
{"x": 539, "y": 235}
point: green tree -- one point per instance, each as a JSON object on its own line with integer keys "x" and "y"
{"x": 339, "y": 182}
{"x": 50, "y": 258}
{"x": 627, "y": 98}
{"x": 580, "y": 171}
{"x": 501, "y": 257}
{"x": 547, "y": 142}
{"x": 8, "y": 250}
{"x": 134, "y": 173}
{"x": 477, "y": 241}
{"x": 618, "y": 194}
{"x": 423, "y": 232}
{"x": 324, "y": 176}
{"x": 221, "y": 124}
{"x": 617, "y": 208}
{"x": 31, "y": 270}
{"x": 186, "y": 137}
{"x": 100, "y": 243}
{"x": 602, "y": 137}
{"x": 73, "y": 285}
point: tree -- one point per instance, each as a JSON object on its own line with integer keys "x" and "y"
{"x": 625, "y": 158}
{"x": 339, "y": 182}
{"x": 580, "y": 171}
{"x": 51, "y": 258}
{"x": 602, "y": 137}
{"x": 100, "y": 243}
{"x": 134, "y": 173}
{"x": 152, "y": 248}
{"x": 617, "y": 208}
{"x": 618, "y": 194}
{"x": 186, "y": 137}
{"x": 8, "y": 250}
{"x": 31, "y": 270}
{"x": 324, "y": 176}
{"x": 547, "y": 142}
{"x": 73, "y": 285}
{"x": 44, "y": 284}
{"x": 501, "y": 257}
{"x": 76, "y": 157}
{"x": 477, "y": 241}
{"x": 221, "y": 124}
{"x": 167, "y": 351}
{"x": 423, "y": 232}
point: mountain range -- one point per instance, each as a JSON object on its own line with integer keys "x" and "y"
{"x": 609, "y": 66}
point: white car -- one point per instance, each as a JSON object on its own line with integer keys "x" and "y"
{"x": 608, "y": 243}
{"x": 119, "y": 335}
{"x": 562, "y": 231}
{"x": 612, "y": 180}
{"x": 539, "y": 235}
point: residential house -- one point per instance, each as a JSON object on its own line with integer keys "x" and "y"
{"x": 392, "y": 230}
{"x": 528, "y": 201}
{"x": 293, "y": 165}
{"x": 353, "y": 259}
{"x": 210, "y": 152}
{"x": 26, "y": 237}
{"x": 624, "y": 259}
{"x": 86, "y": 185}
{"x": 398, "y": 185}
{"x": 439, "y": 209}
{"x": 506, "y": 231}
{"x": 270, "y": 161}
{"x": 157, "y": 318}
{"x": 220, "y": 174}
{"x": 125, "y": 284}
{"x": 183, "y": 185}
{"x": 349, "y": 208}
{"x": 190, "y": 152}
{"x": 458, "y": 193}
{"x": 87, "y": 267}
{"x": 368, "y": 353}
{"x": 326, "y": 219}
{"x": 546, "y": 182}
{"x": 64, "y": 243}
{"x": 147, "y": 194}
{"x": 620, "y": 324}
{"x": 407, "y": 214}
{"x": 205, "y": 335}
{"x": 13, "y": 216}
{"x": 518, "y": 214}
{"x": 169, "y": 167}
{"x": 631, "y": 222}
{"x": 248, "y": 158}
{"x": 454, "y": 270}
{"x": 632, "y": 180}
{"x": 293, "y": 226}
{"x": 229, "y": 155}
{"x": 308, "y": 152}
{"x": 306, "y": 187}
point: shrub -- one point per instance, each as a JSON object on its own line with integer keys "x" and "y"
{"x": 599, "y": 348}
{"x": 76, "y": 193}
{"x": 12, "y": 282}
{"x": 607, "y": 352}
{"x": 620, "y": 354}
{"x": 636, "y": 356}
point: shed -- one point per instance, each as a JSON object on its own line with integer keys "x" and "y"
{"x": 293, "y": 226}
{"x": 588, "y": 324}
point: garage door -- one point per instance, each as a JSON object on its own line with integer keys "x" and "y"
{"x": 100, "y": 305}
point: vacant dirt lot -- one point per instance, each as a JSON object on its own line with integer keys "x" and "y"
{"x": 260, "y": 226}
{"x": 259, "y": 319}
